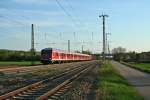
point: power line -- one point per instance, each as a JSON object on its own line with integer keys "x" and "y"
{"x": 14, "y": 11}
{"x": 69, "y": 5}
{"x": 75, "y": 21}
{"x": 77, "y": 18}
{"x": 92, "y": 35}
{"x": 65, "y": 11}
{"x": 12, "y": 20}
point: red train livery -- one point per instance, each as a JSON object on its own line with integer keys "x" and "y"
{"x": 50, "y": 55}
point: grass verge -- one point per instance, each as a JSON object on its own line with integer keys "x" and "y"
{"x": 112, "y": 86}
{"x": 19, "y": 63}
{"x": 145, "y": 67}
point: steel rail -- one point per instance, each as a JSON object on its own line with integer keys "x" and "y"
{"x": 62, "y": 85}
{"x": 35, "y": 85}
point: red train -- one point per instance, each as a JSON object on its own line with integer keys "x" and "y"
{"x": 50, "y": 55}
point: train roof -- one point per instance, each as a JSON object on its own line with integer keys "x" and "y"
{"x": 52, "y": 49}
{"x": 47, "y": 49}
{"x": 63, "y": 51}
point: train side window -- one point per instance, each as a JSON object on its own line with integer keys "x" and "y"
{"x": 68, "y": 55}
{"x": 56, "y": 54}
{"x": 61, "y": 55}
{"x": 53, "y": 54}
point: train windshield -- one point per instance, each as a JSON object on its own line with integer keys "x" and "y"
{"x": 46, "y": 54}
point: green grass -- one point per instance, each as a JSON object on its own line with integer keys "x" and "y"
{"x": 19, "y": 63}
{"x": 141, "y": 66}
{"x": 112, "y": 86}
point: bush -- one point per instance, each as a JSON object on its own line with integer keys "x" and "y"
{"x": 11, "y": 55}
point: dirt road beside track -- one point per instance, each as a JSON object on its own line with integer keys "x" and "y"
{"x": 140, "y": 80}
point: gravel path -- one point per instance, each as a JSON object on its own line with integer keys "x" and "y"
{"x": 140, "y": 80}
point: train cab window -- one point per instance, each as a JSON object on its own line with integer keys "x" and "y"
{"x": 46, "y": 53}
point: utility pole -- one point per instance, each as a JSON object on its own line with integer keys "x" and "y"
{"x": 32, "y": 44}
{"x": 104, "y": 39}
{"x": 45, "y": 36}
{"x": 74, "y": 34}
{"x": 82, "y": 48}
{"x": 68, "y": 45}
{"x": 45, "y": 39}
{"x": 60, "y": 35}
{"x": 107, "y": 51}
{"x": 92, "y": 36}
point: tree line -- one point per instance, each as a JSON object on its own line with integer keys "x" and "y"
{"x": 120, "y": 54}
{"x": 13, "y": 55}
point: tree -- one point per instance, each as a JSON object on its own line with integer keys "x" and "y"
{"x": 87, "y": 52}
{"x": 119, "y": 53}
{"x": 118, "y": 50}
{"x": 13, "y": 55}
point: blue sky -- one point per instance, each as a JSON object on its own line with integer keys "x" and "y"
{"x": 128, "y": 23}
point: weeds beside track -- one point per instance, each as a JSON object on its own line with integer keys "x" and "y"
{"x": 112, "y": 86}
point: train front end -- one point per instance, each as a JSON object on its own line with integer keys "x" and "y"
{"x": 46, "y": 55}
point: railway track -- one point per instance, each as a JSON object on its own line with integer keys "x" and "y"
{"x": 26, "y": 69}
{"x": 17, "y": 70}
{"x": 49, "y": 87}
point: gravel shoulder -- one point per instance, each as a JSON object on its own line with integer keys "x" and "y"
{"x": 140, "y": 80}
{"x": 84, "y": 88}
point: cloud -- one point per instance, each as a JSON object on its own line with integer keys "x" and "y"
{"x": 43, "y": 18}
{"x": 11, "y": 12}
{"x": 32, "y": 1}
{"x": 45, "y": 13}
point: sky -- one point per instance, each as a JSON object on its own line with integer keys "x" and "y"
{"x": 57, "y": 21}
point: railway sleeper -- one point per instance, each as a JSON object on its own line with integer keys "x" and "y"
{"x": 38, "y": 92}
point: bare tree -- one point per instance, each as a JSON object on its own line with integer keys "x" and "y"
{"x": 118, "y": 50}
{"x": 119, "y": 53}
